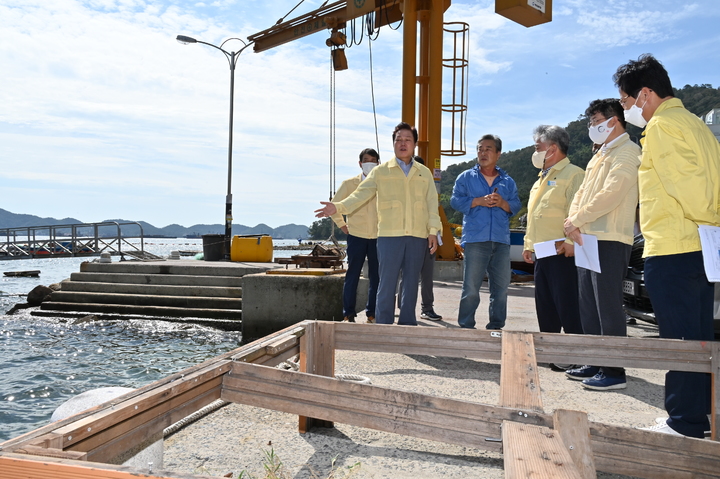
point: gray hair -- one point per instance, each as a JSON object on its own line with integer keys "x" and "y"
{"x": 553, "y": 134}
{"x": 495, "y": 138}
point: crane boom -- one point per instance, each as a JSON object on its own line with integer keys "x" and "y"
{"x": 330, "y": 16}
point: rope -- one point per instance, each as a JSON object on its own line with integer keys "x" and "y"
{"x": 292, "y": 364}
{"x": 173, "y": 428}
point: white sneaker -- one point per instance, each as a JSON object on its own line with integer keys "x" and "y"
{"x": 663, "y": 420}
{"x": 661, "y": 427}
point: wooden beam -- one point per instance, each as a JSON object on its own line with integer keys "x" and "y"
{"x": 317, "y": 356}
{"x": 400, "y": 412}
{"x": 17, "y": 466}
{"x": 519, "y": 378}
{"x": 574, "y": 430}
{"x": 535, "y": 451}
{"x": 652, "y": 455}
{"x": 620, "y": 450}
{"x": 645, "y": 353}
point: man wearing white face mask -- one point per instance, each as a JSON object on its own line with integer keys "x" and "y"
{"x": 556, "y": 289}
{"x": 679, "y": 189}
{"x": 604, "y": 206}
{"x": 362, "y": 230}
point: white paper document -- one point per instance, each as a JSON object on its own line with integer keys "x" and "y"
{"x": 546, "y": 248}
{"x": 586, "y": 255}
{"x": 710, "y": 240}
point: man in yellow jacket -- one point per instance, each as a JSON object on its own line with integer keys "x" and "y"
{"x": 556, "y": 287}
{"x": 408, "y": 222}
{"x": 604, "y": 207}
{"x": 679, "y": 189}
{"x": 361, "y": 231}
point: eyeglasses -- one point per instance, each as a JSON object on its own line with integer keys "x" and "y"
{"x": 623, "y": 100}
{"x": 595, "y": 121}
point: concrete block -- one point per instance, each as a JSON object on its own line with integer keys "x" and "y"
{"x": 444, "y": 270}
{"x": 272, "y": 302}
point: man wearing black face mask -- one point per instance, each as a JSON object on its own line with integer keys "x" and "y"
{"x": 604, "y": 207}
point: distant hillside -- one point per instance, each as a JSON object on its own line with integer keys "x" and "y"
{"x": 290, "y": 231}
{"x": 698, "y": 99}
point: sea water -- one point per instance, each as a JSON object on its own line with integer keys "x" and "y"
{"x": 46, "y": 361}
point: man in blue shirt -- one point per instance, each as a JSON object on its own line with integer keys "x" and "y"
{"x": 487, "y": 197}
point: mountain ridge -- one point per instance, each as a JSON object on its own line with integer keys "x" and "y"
{"x": 289, "y": 231}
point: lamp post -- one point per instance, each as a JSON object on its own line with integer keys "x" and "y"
{"x": 231, "y": 58}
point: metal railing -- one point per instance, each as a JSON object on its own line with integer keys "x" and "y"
{"x": 83, "y": 239}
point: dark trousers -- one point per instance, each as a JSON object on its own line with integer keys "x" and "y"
{"x": 601, "y": 295}
{"x": 396, "y": 254}
{"x": 427, "y": 297}
{"x": 357, "y": 250}
{"x": 556, "y": 295}
{"x": 682, "y": 299}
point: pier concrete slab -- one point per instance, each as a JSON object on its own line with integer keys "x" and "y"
{"x": 273, "y": 302}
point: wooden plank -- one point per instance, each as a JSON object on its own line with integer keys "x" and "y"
{"x": 52, "y": 452}
{"x": 535, "y": 451}
{"x": 17, "y": 466}
{"x": 119, "y": 444}
{"x": 306, "y": 271}
{"x": 147, "y": 424}
{"x": 318, "y": 359}
{"x": 282, "y": 344}
{"x": 519, "y": 378}
{"x": 639, "y": 453}
{"x": 400, "y": 412}
{"x": 646, "y": 353}
{"x": 574, "y": 430}
{"x": 135, "y": 411}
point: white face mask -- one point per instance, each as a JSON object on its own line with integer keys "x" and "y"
{"x": 538, "y": 159}
{"x": 599, "y": 133}
{"x": 634, "y": 115}
{"x": 367, "y": 167}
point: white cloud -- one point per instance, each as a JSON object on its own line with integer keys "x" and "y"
{"x": 102, "y": 106}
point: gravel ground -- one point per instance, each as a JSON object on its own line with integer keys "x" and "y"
{"x": 236, "y": 438}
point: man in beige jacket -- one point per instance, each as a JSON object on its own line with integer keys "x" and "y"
{"x": 604, "y": 207}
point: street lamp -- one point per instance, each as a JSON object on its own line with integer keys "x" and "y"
{"x": 231, "y": 58}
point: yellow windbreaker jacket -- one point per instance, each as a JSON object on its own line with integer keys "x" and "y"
{"x": 679, "y": 180}
{"x": 549, "y": 202}
{"x": 605, "y": 204}
{"x": 406, "y": 205}
{"x": 363, "y": 222}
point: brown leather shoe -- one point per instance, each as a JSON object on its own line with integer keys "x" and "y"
{"x": 348, "y": 319}
{"x": 371, "y": 319}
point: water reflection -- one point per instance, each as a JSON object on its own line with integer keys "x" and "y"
{"x": 46, "y": 361}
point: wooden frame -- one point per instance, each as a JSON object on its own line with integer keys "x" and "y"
{"x": 534, "y": 443}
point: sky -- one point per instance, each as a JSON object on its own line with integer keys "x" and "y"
{"x": 104, "y": 115}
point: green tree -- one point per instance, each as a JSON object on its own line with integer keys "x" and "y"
{"x": 322, "y": 229}
{"x": 698, "y": 99}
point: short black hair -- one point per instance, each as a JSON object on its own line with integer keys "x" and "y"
{"x": 495, "y": 138}
{"x": 609, "y": 107}
{"x": 419, "y": 160}
{"x": 405, "y": 126}
{"x": 371, "y": 152}
{"x": 645, "y": 72}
